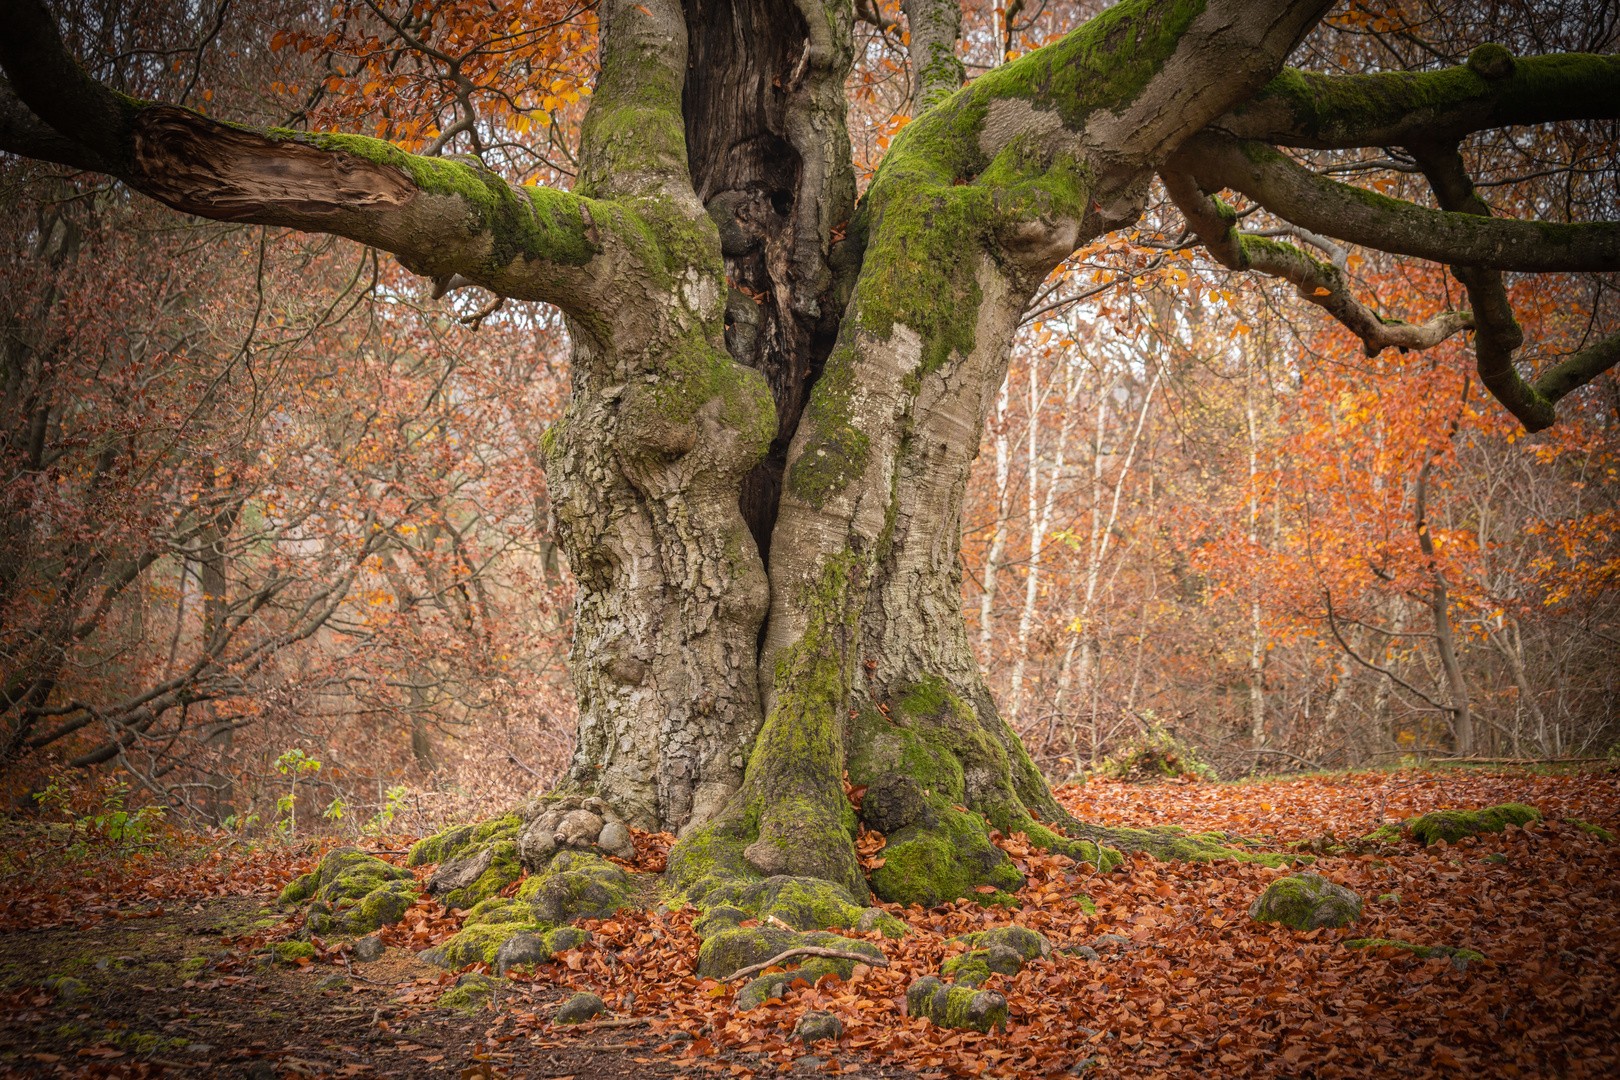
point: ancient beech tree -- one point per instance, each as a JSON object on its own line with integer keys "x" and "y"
{"x": 778, "y": 389}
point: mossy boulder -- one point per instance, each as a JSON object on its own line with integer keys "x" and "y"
{"x": 729, "y": 951}
{"x": 1459, "y": 958}
{"x": 469, "y": 994}
{"x": 1388, "y": 833}
{"x": 290, "y": 952}
{"x": 576, "y": 886}
{"x": 451, "y": 842}
{"x": 975, "y": 968}
{"x": 818, "y": 1025}
{"x": 1027, "y": 943}
{"x": 479, "y": 876}
{"x": 345, "y": 873}
{"x": 382, "y": 906}
{"x": 1452, "y": 825}
{"x": 483, "y": 944}
{"x": 956, "y": 1006}
{"x": 758, "y": 991}
{"x": 1306, "y": 901}
{"x": 65, "y": 987}
{"x": 580, "y": 1009}
{"x": 1593, "y": 830}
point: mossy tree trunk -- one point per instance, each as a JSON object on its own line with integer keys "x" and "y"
{"x": 778, "y": 394}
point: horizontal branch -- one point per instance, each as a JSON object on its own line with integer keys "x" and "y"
{"x": 1321, "y": 283}
{"x": 440, "y": 217}
{"x": 21, "y": 132}
{"x": 1492, "y": 90}
{"x": 1346, "y": 212}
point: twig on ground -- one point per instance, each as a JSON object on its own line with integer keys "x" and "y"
{"x": 807, "y": 950}
{"x": 616, "y": 1022}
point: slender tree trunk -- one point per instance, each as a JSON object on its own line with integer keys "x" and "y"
{"x": 1257, "y": 635}
{"x": 1440, "y": 609}
{"x": 998, "y": 538}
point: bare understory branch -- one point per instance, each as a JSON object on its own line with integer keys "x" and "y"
{"x": 1323, "y": 284}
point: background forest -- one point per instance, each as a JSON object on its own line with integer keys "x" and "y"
{"x": 276, "y": 540}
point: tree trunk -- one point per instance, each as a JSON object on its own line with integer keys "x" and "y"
{"x": 777, "y": 394}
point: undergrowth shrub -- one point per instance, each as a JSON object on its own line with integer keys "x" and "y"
{"x": 1153, "y": 755}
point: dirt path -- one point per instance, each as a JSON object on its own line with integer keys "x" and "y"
{"x": 151, "y": 1005}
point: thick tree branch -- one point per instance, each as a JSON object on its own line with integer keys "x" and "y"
{"x": 21, "y": 132}
{"x": 1578, "y": 370}
{"x": 1323, "y": 284}
{"x": 1493, "y": 90}
{"x": 936, "y": 70}
{"x": 1292, "y": 191}
{"x": 1498, "y": 334}
{"x": 439, "y": 217}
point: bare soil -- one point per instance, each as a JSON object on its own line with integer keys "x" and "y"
{"x": 153, "y": 1005}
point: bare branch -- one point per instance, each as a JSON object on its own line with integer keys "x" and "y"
{"x": 1323, "y": 284}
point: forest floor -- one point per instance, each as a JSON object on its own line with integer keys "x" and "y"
{"x": 167, "y": 947}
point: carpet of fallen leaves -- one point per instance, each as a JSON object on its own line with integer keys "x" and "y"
{"x": 54, "y": 885}
{"x": 1193, "y": 986}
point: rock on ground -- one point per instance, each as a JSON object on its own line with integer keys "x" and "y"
{"x": 816, "y": 1026}
{"x": 1306, "y": 901}
{"x": 580, "y": 1008}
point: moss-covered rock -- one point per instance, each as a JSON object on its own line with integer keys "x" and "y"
{"x": 875, "y": 918}
{"x": 818, "y": 1025}
{"x": 298, "y": 890}
{"x": 1306, "y": 901}
{"x": 1388, "y": 833}
{"x": 730, "y": 951}
{"x": 1594, "y": 830}
{"x": 1453, "y": 825}
{"x": 1459, "y": 957}
{"x": 579, "y": 1009}
{"x": 290, "y": 952}
{"x": 956, "y": 1006}
{"x": 496, "y": 865}
{"x": 1027, "y": 943}
{"x": 65, "y": 987}
{"x": 449, "y": 843}
{"x": 576, "y": 886}
{"x": 974, "y": 968}
{"x": 469, "y": 994}
{"x": 483, "y": 944}
{"x": 758, "y": 991}
{"x": 719, "y": 918}
{"x": 345, "y": 873}
{"x": 382, "y": 906}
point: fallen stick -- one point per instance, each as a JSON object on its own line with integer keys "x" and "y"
{"x": 808, "y": 950}
{"x": 617, "y": 1022}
